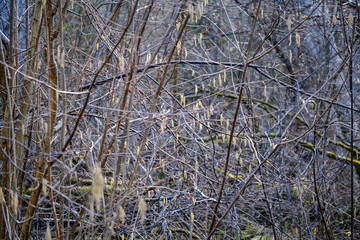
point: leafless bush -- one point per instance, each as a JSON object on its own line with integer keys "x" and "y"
{"x": 179, "y": 119}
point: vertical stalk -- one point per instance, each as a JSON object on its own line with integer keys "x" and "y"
{"x": 40, "y": 165}
{"x": 64, "y": 118}
{"x": 28, "y": 91}
{"x": 129, "y": 23}
{"x": 352, "y": 208}
{"x": 351, "y": 139}
{"x": 155, "y": 98}
{"x": 5, "y": 134}
{"x": 227, "y": 161}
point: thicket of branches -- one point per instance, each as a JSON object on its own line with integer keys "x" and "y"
{"x": 183, "y": 119}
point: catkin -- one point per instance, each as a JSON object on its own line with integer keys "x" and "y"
{"x": 14, "y": 201}
{"x": 48, "y": 232}
{"x": 334, "y": 20}
{"x": 288, "y": 23}
{"x": 351, "y": 19}
{"x": 297, "y": 39}
{"x": 191, "y": 12}
{"x": 43, "y": 186}
{"x": 2, "y": 199}
{"x": 122, "y": 214}
{"x": 142, "y": 210}
{"x": 97, "y": 185}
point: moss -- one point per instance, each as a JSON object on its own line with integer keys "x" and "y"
{"x": 229, "y": 174}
